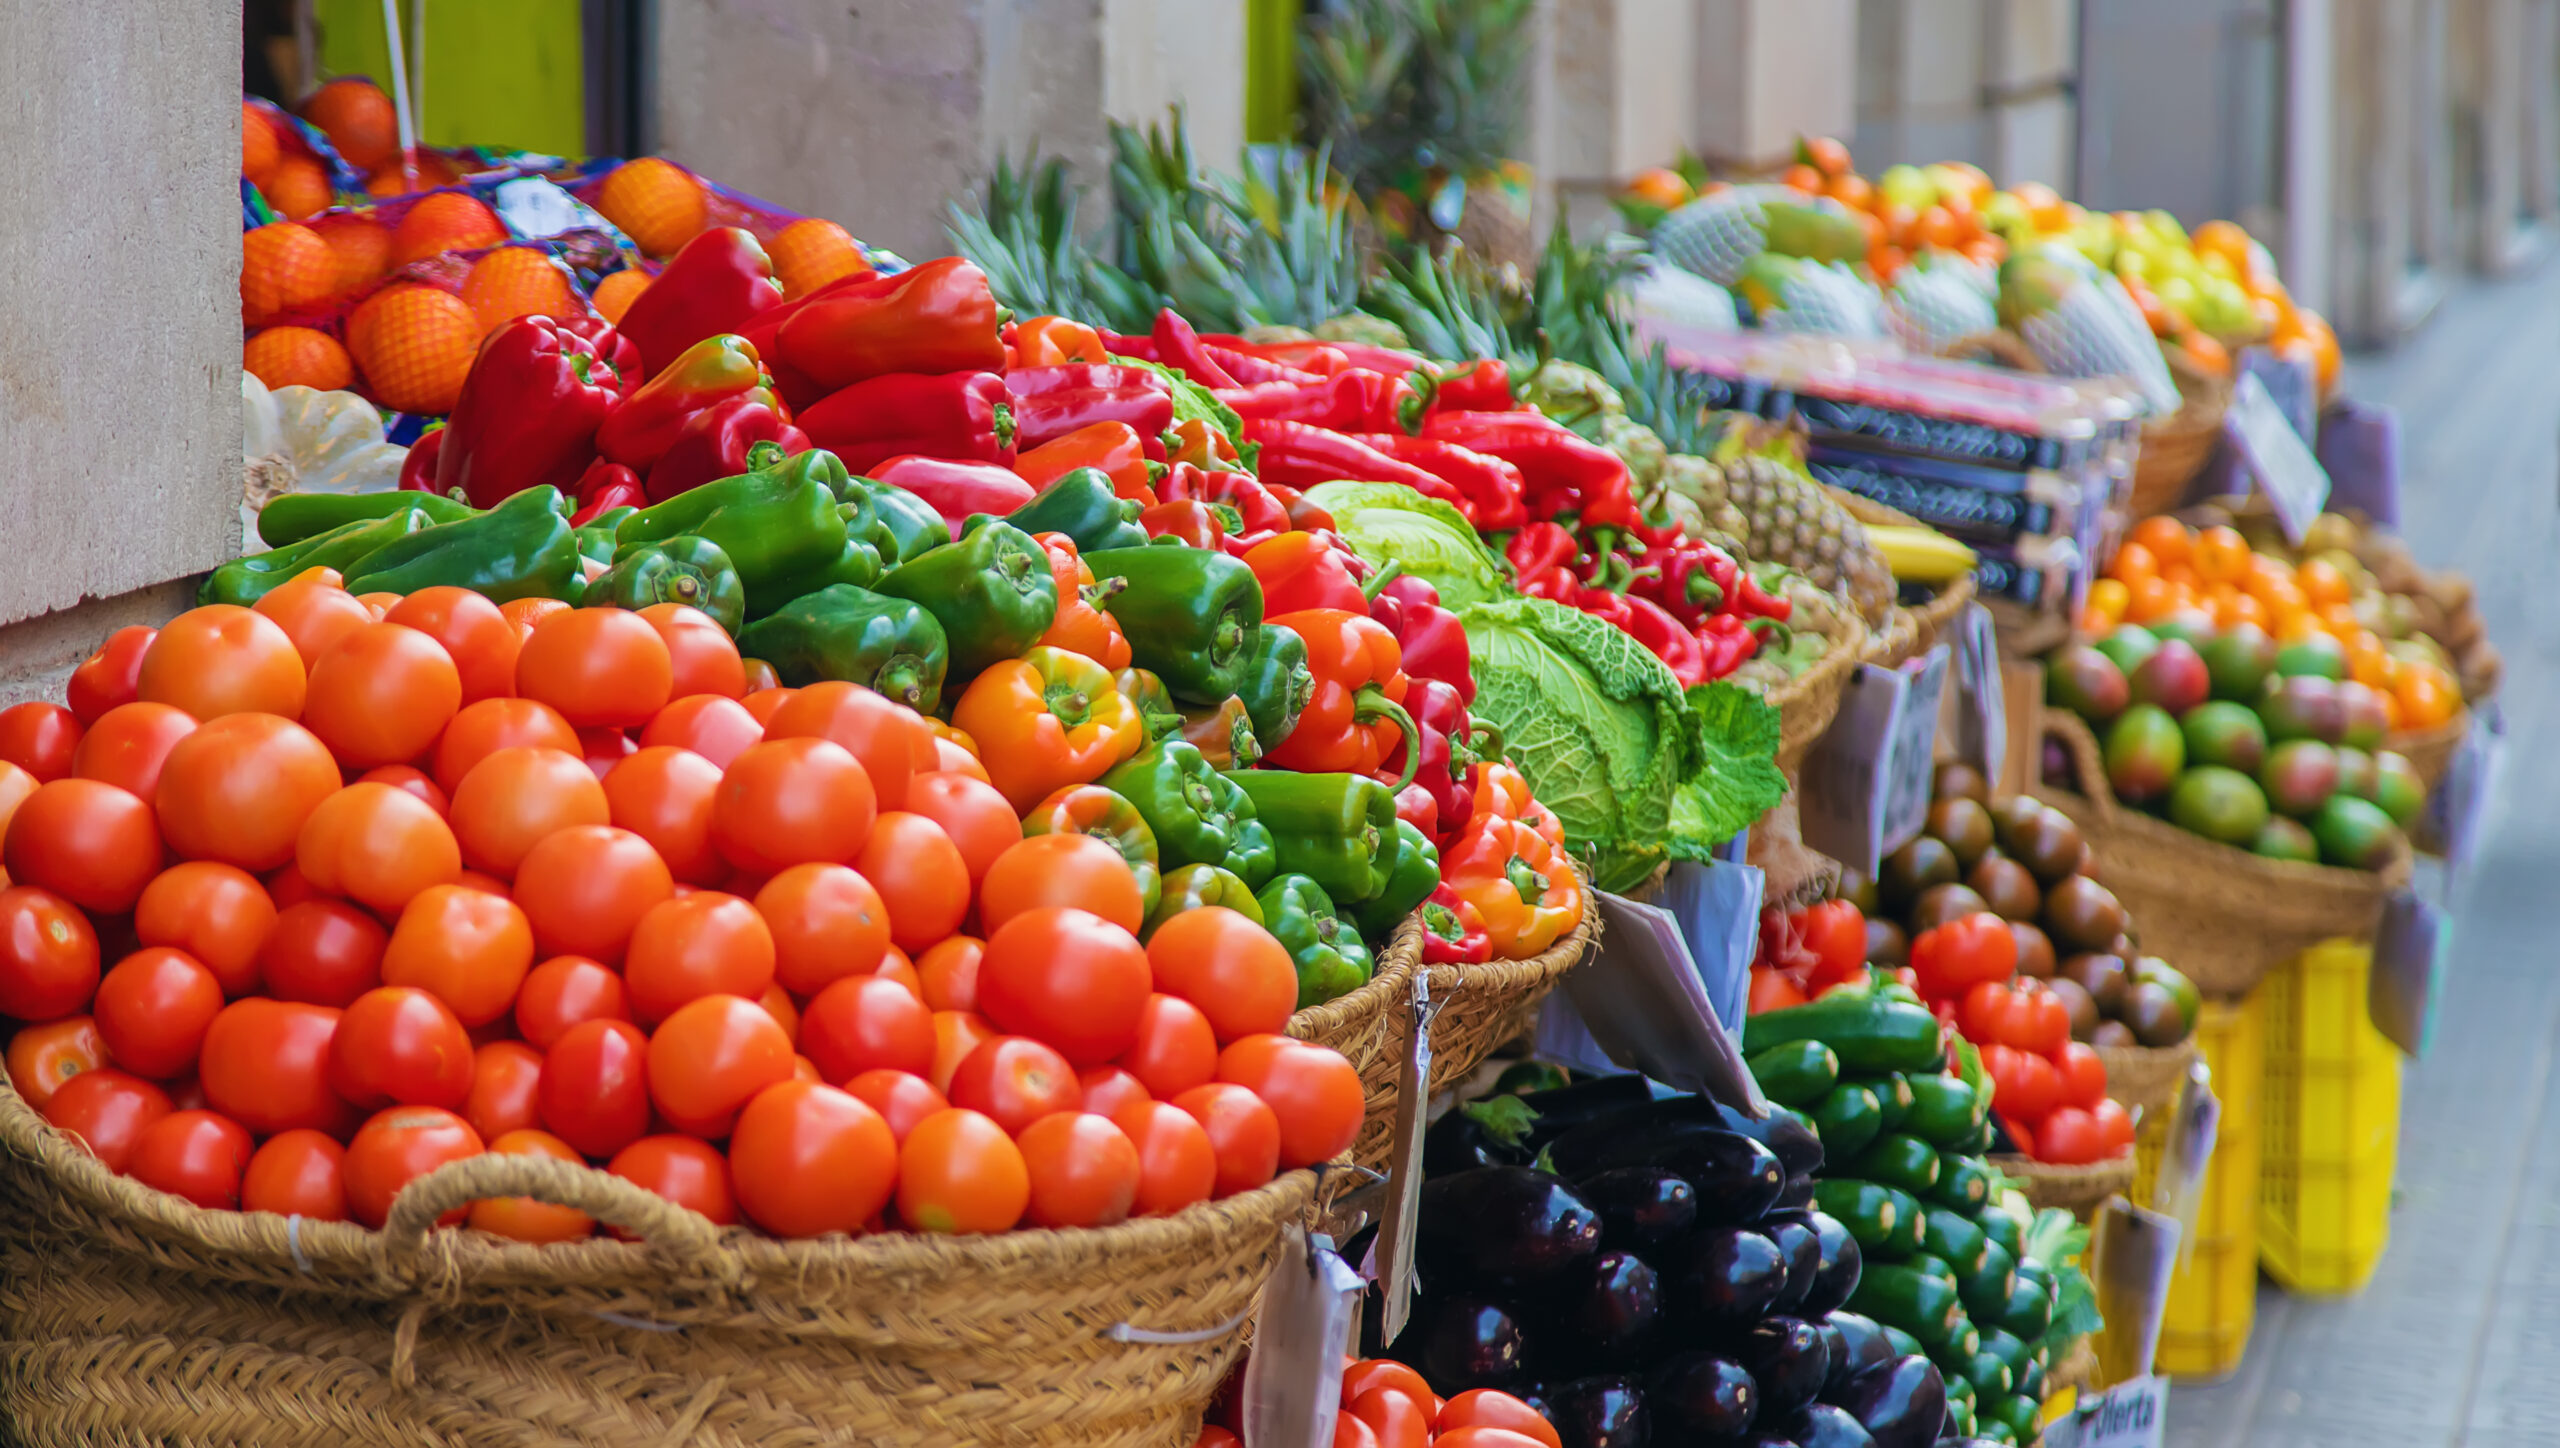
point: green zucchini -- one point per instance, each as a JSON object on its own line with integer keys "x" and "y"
{"x": 1883, "y": 1220}
{"x": 1980, "y": 1143}
{"x": 1988, "y": 1376}
{"x": 1944, "y": 1111}
{"x": 1846, "y": 1120}
{"x": 1964, "y": 1183}
{"x": 1799, "y": 1073}
{"x": 1960, "y": 1408}
{"x": 2019, "y": 1414}
{"x": 1953, "y": 1236}
{"x": 2031, "y": 1377}
{"x": 2030, "y": 1308}
{"x": 1954, "y": 1357}
{"x": 1899, "y": 1161}
{"x": 1987, "y": 1291}
{"x": 1869, "y": 1033}
{"x": 2000, "y": 1227}
{"x": 1916, "y": 1302}
{"x": 1904, "y": 1344}
{"x": 2012, "y": 1353}
{"x": 1936, "y": 1266}
{"x": 1893, "y": 1095}
{"x": 1992, "y": 1430}
{"x": 1959, "y": 1392}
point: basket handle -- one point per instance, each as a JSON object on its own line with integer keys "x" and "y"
{"x": 2088, "y": 762}
{"x": 685, "y": 1239}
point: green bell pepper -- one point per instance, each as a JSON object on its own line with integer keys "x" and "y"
{"x": 243, "y": 581}
{"x": 899, "y": 526}
{"x": 1413, "y": 872}
{"x": 778, "y": 524}
{"x": 297, "y": 516}
{"x": 1328, "y": 953}
{"x": 683, "y": 569}
{"x": 1155, "y": 706}
{"x": 1189, "y": 614}
{"x": 596, "y": 539}
{"x": 1338, "y": 828}
{"x": 522, "y": 548}
{"x": 1194, "y": 886}
{"x": 1199, "y": 816}
{"x": 1090, "y": 809}
{"x": 991, "y": 591}
{"x": 856, "y": 563}
{"x": 1277, "y": 684}
{"x": 843, "y": 632}
{"x": 1082, "y": 504}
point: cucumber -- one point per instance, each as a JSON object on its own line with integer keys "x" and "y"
{"x": 1798, "y": 1073}
{"x": 1959, "y": 1392}
{"x": 1936, "y": 1266}
{"x": 1884, "y": 1222}
{"x": 2031, "y": 1378}
{"x": 1992, "y": 1430}
{"x": 1980, "y": 1143}
{"x": 2031, "y": 1270}
{"x": 1954, "y": 1237}
{"x": 1988, "y": 1375}
{"x": 1893, "y": 1095}
{"x": 1944, "y": 1111}
{"x": 1959, "y": 1409}
{"x": 1910, "y": 1233}
{"x": 1869, "y": 1033}
{"x": 2000, "y": 1227}
{"x": 1954, "y": 1357}
{"x": 2012, "y": 1353}
{"x": 1904, "y": 1344}
{"x": 2018, "y": 1413}
{"x": 1916, "y": 1302}
{"x": 1846, "y": 1120}
{"x": 1903, "y": 1162}
{"x": 1986, "y": 1291}
{"x": 2029, "y": 1310}
{"x": 1964, "y": 1183}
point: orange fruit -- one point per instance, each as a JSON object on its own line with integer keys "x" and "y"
{"x": 1935, "y": 226}
{"x": 2221, "y": 555}
{"x": 2322, "y": 583}
{"x": 425, "y": 172}
{"x": 2109, "y": 598}
{"x": 1852, "y": 190}
{"x": 362, "y": 246}
{"x": 518, "y": 281}
{"x": 615, "y": 293}
{"x": 415, "y": 344}
{"x": 2426, "y": 697}
{"x": 259, "y": 148}
{"x": 1804, "y": 178}
{"x": 2226, "y": 239}
{"x": 2133, "y": 563}
{"x": 2205, "y": 352}
{"x": 2324, "y": 350}
{"x": 2179, "y": 573}
{"x": 657, "y": 203}
{"x": 1661, "y": 186}
{"x": 297, "y": 187}
{"x": 1826, "y": 155}
{"x": 284, "y": 267}
{"x": 2235, "y": 608}
{"x": 357, "y": 118}
{"x": 287, "y": 356}
{"x": 2149, "y": 598}
{"x": 811, "y": 252}
{"x": 2167, "y": 540}
{"x": 446, "y": 221}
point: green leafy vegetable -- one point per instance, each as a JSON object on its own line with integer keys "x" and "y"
{"x": 1431, "y": 539}
{"x": 1735, "y": 779}
{"x": 1191, "y": 401}
{"x": 2058, "y": 1240}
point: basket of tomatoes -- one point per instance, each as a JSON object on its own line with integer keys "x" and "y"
{"x": 454, "y": 1022}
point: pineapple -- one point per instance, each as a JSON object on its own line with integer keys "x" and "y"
{"x": 1792, "y": 521}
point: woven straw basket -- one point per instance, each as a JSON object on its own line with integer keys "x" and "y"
{"x": 2430, "y": 751}
{"x": 1910, "y": 632}
{"x": 131, "y": 1316}
{"x": 2224, "y": 915}
{"x": 1367, "y": 1027}
{"x": 1482, "y": 1006}
{"x": 2076, "y": 1189}
{"x": 1808, "y": 702}
{"x": 2144, "y": 1079}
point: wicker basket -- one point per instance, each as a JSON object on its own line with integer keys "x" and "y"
{"x": 1912, "y": 631}
{"x": 2076, "y": 1189}
{"x": 1482, "y": 1006}
{"x": 2177, "y": 447}
{"x": 2078, "y": 1369}
{"x": 1808, "y": 702}
{"x": 2143, "y": 1079}
{"x": 1367, "y": 1027}
{"x": 131, "y": 1316}
{"x": 2224, "y": 915}
{"x": 2430, "y": 751}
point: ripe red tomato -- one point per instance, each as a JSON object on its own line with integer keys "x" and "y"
{"x": 484, "y": 728}
{"x": 561, "y": 992}
{"x": 265, "y": 1064}
{"x": 1016, "y": 1080}
{"x": 2115, "y": 1128}
{"x": 125, "y": 746}
{"x": 1985, "y": 1014}
{"x": 2084, "y": 1075}
{"x": 717, "y": 728}
{"x": 325, "y": 952}
{"x": 1482, "y": 1436}
{"x": 597, "y": 666}
{"x": 699, "y": 652}
{"x": 108, "y": 1110}
{"x": 297, "y": 1173}
{"x": 217, "y": 913}
{"x": 808, "y": 1159}
{"x": 409, "y": 779}
{"x": 1243, "y": 1131}
{"x": 153, "y": 1010}
{"x": 107, "y": 679}
{"x": 866, "y": 1023}
{"x": 947, "y": 973}
{"x": 710, "y": 1057}
{"x": 514, "y": 797}
{"x": 39, "y": 738}
{"x": 1213, "y": 1436}
{"x": 764, "y": 703}
{"x": 1836, "y": 932}
{"x": 398, "y": 1045}
{"x": 595, "y": 1086}
{"x": 523, "y": 1218}
{"x": 1772, "y": 991}
{"x": 238, "y": 789}
{"x": 959, "y": 1173}
{"x": 1069, "y": 977}
{"x": 506, "y": 1089}
{"x": 586, "y": 887}
{"x": 1350, "y": 1431}
{"x": 48, "y": 955}
{"x": 2069, "y": 1136}
{"x": 688, "y": 1172}
{"x": 788, "y": 802}
{"x": 1312, "y": 1091}
{"x": 2040, "y": 1023}
{"x": 478, "y": 638}
{"x": 396, "y": 1147}
{"x": 377, "y": 845}
{"x": 1083, "y": 1171}
{"x": 1950, "y": 959}
{"x": 1077, "y": 871}
{"x": 919, "y": 874}
{"x": 198, "y": 1155}
{"x": 1175, "y": 1049}
{"x": 1177, "y": 1166}
{"x": 1229, "y": 967}
{"x": 663, "y": 795}
{"x": 956, "y": 1036}
{"x": 381, "y": 695}
{"x": 93, "y": 844}
{"x": 1394, "y": 1419}
{"x": 970, "y": 811}
{"x": 468, "y": 948}
{"x": 703, "y": 944}
{"x": 2024, "y": 1086}
{"x": 42, "y": 1057}
{"x": 315, "y": 613}
{"x": 901, "y": 1097}
{"x": 1370, "y": 1374}
{"x": 603, "y": 747}
{"x": 827, "y": 922}
{"x": 1491, "y": 1408}
{"x": 15, "y": 785}
{"x": 1108, "y": 1088}
{"x": 890, "y": 739}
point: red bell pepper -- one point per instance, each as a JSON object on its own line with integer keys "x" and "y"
{"x": 1416, "y": 807}
{"x": 1135, "y": 345}
{"x": 605, "y": 341}
{"x": 1726, "y": 644}
{"x": 1304, "y": 516}
{"x": 1201, "y": 444}
{"x": 1538, "y": 547}
{"x": 1302, "y": 455}
{"x": 1357, "y": 715}
{"x": 606, "y": 486}
{"x": 935, "y": 318}
{"x": 1752, "y": 601}
{"x": 1489, "y": 489}
{"x": 1452, "y": 932}
{"x": 1114, "y": 447}
{"x": 418, "y": 469}
{"x": 529, "y": 414}
{"x": 1440, "y": 730}
{"x": 1664, "y": 637}
{"x": 1258, "y": 514}
{"x": 710, "y": 372}
{"x": 718, "y": 283}
{"x": 1299, "y": 571}
{"x": 1357, "y": 400}
{"x": 797, "y": 387}
{"x": 1564, "y": 474}
{"x": 1434, "y": 642}
{"x": 963, "y": 415}
{"x": 1050, "y": 402}
{"x": 1682, "y": 579}
{"x": 1198, "y": 524}
{"x": 1501, "y": 791}
{"x": 1483, "y": 387}
{"x": 1047, "y": 341}
{"x": 956, "y": 489}
{"x": 1179, "y": 347}
{"x": 714, "y": 443}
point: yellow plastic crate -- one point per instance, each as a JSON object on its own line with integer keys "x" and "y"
{"x": 2213, "y": 1300}
{"x": 2332, "y": 1124}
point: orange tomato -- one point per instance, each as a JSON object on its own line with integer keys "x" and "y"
{"x": 515, "y": 797}
{"x": 91, "y": 843}
{"x": 717, "y": 728}
{"x": 686, "y": 1172}
{"x": 127, "y": 744}
{"x": 597, "y": 666}
{"x": 585, "y": 888}
{"x": 378, "y": 846}
{"x": 1393, "y": 1418}
{"x": 523, "y": 1218}
{"x": 686, "y": 948}
{"x": 475, "y": 635}
{"x": 1083, "y": 1171}
{"x": 469, "y": 949}
{"x": 1061, "y": 870}
{"x": 381, "y": 694}
{"x": 787, "y": 802}
{"x": 699, "y": 651}
{"x": 1803, "y": 178}
{"x": 1177, "y": 1164}
{"x": 1231, "y": 968}
{"x": 314, "y": 611}
{"x": 710, "y": 1057}
{"x": 827, "y": 923}
{"x": 920, "y": 875}
{"x": 484, "y": 728}
{"x": 807, "y": 1159}
{"x": 219, "y": 660}
{"x": 959, "y": 1173}
{"x": 395, "y": 1148}
{"x": 1312, "y": 1091}
{"x": 297, "y": 1173}
{"x": 1489, "y": 1408}
{"x": 664, "y": 796}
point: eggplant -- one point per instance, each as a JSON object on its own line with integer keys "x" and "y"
{"x": 1736, "y": 1178}
{"x": 1565, "y": 1107}
{"x": 1703, "y": 1394}
{"x": 1820, "y": 1425}
{"x": 1788, "y": 1358}
{"x": 1491, "y": 1132}
{"x": 1640, "y": 1206}
{"x": 1796, "y": 1194}
{"x": 1793, "y": 1232}
{"x": 1606, "y": 1308}
{"x": 1838, "y": 1275}
{"x": 1862, "y": 1345}
{"x": 1501, "y": 1226}
{"x": 1459, "y": 1343}
{"x": 1901, "y": 1404}
{"x": 1786, "y": 1136}
{"x": 1601, "y": 1412}
{"x": 1727, "y": 1279}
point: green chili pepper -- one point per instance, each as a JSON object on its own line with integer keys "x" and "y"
{"x": 779, "y": 524}
{"x": 1413, "y": 872}
{"x": 1277, "y": 685}
{"x": 596, "y": 539}
{"x": 1195, "y": 886}
{"x": 843, "y": 632}
{"x": 297, "y": 516}
{"x": 991, "y": 591}
{"x": 1082, "y": 504}
{"x": 682, "y": 569}
{"x": 1199, "y": 816}
{"x": 1223, "y": 733}
{"x": 1090, "y": 809}
{"x": 900, "y": 526}
{"x": 243, "y": 581}
{"x": 522, "y": 548}
{"x": 1155, "y": 706}
{"x": 1329, "y": 955}
{"x": 1189, "y": 613}
{"x": 1338, "y": 828}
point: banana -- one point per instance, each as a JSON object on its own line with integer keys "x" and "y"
{"x": 1920, "y": 555}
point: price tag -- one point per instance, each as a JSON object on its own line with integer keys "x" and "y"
{"x": 2457, "y": 809}
{"x": 1404, "y": 1162}
{"x": 2133, "y": 1253}
{"x": 1982, "y": 709}
{"x": 2129, "y": 1415}
{"x": 1718, "y": 907}
{"x": 1292, "y": 1381}
{"x": 2195, "y": 1122}
{"x": 2291, "y": 385}
{"x": 2410, "y": 948}
{"x": 2277, "y": 456}
{"x": 1866, "y": 782}
{"x": 1646, "y": 1009}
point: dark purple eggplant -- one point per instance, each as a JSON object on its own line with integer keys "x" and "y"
{"x": 1566, "y": 1107}
{"x": 1820, "y": 1425}
{"x": 1501, "y": 1226}
{"x": 1788, "y": 1358}
{"x": 1785, "y": 1134}
{"x": 1639, "y": 1206}
{"x": 1601, "y": 1412}
{"x": 1605, "y": 1308}
{"x": 1726, "y": 1280}
{"x": 1796, "y": 1195}
{"x": 1760, "y": 1440}
{"x": 1463, "y": 1342}
{"x": 1862, "y": 1345}
{"x": 1793, "y": 1232}
{"x": 1902, "y": 1403}
{"x": 1491, "y": 1132}
{"x": 1701, "y": 1394}
{"x": 1837, "y": 1277}
{"x": 1736, "y": 1178}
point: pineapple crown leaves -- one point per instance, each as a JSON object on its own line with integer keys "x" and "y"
{"x": 1395, "y": 84}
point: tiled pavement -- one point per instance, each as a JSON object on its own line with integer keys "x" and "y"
{"x": 2456, "y": 1342}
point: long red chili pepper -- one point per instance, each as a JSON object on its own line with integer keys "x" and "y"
{"x": 1302, "y": 456}
{"x": 1178, "y": 346}
{"x": 1489, "y": 489}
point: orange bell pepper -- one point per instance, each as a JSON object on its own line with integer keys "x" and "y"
{"x": 1082, "y": 627}
{"x": 1519, "y": 881}
{"x": 1502, "y": 792}
{"x": 1048, "y": 341}
{"x": 1201, "y": 445}
{"x": 1114, "y": 447}
{"x": 1356, "y": 719}
{"x": 1045, "y": 721}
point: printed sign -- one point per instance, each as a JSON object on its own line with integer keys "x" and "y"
{"x": 1982, "y": 707}
{"x": 2133, "y": 1253}
{"x": 1404, "y": 1172}
{"x": 1642, "y": 1004}
{"x": 1718, "y": 907}
{"x": 2277, "y": 457}
{"x": 2410, "y": 949}
{"x": 2129, "y": 1415}
{"x": 1866, "y": 782}
{"x": 2195, "y": 1123}
{"x": 1292, "y": 1382}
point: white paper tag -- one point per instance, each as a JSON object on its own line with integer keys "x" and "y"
{"x": 2195, "y": 1124}
{"x": 1982, "y": 706}
{"x": 1913, "y": 765}
{"x": 2277, "y": 456}
{"x": 1293, "y": 1379}
{"x": 2291, "y": 384}
{"x": 1718, "y": 907}
{"x": 2457, "y": 810}
{"x": 1840, "y": 801}
{"x": 1642, "y": 1002}
{"x": 2133, "y": 1252}
{"x": 2410, "y": 949}
{"x": 1404, "y": 1162}
{"x": 2129, "y": 1415}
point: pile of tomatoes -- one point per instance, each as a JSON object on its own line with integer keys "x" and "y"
{"x": 1386, "y": 1404}
{"x": 2049, "y": 1090}
{"x": 378, "y": 884}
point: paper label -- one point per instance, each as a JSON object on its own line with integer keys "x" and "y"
{"x": 1404, "y": 1163}
{"x": 1293, "y": 1379}
{"x": 1912, "y": 766}
{"x": 2291, "y": 385}
{"x": 1718, "y": 907}
{"x": 2277, "y": 457}
{"x": 1982, "y": 706}
{"x": 1866, "y": 782}
{"x": 1644, "y": 1006}
{"x": 2457, "y": 810}
{"x": 2195, "y": 1124}
{"x": 2129, "y": 1415}
{"x": 2410, "y": 949}
{"x": 2133, "y": 1253}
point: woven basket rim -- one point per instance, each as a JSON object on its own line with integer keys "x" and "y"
{"x": 1390, "y": 978}
{"x": 1831, "y": 674}
{"x": 1552, "y": 962}
{"x": 2078, "y": 1187}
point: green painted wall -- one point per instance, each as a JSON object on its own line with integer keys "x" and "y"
{"x": 502, "y": 73}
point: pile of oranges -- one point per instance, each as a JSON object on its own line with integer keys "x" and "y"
{"x": 2214, "y": 579}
